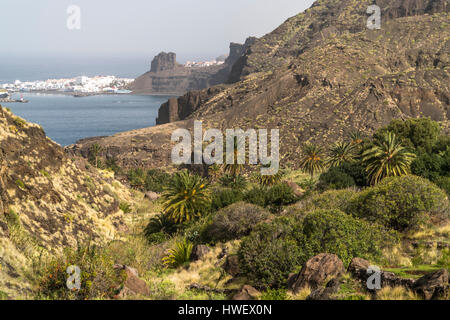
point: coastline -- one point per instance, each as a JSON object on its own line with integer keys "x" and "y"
{"x": 82, "y": 95}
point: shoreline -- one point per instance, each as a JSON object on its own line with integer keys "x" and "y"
{"x": 82, "y": 95}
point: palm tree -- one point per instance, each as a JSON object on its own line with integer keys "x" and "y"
{"x": 341, "y": 152}
{"x": 313, "y": 159}
{"x": 234, "y": 169}
{"x": 214, "y": 172}
{"x": 186, "y": 197}
{"x": 95, "y": 151}
{"x": 269, "y": 180}
{"x": 387, "y": 158}
{"x": 356, "y": 137}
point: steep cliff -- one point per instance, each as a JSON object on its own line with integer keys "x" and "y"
{"x": 166, "y": 76}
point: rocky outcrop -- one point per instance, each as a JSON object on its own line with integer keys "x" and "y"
{"x": 433, "y": 285}
{"x": 231, "y": 265}
{"x": 164, "y": 61}
{"x": 166, "y": 76}
{"x": 199, "y": 251}
{"x": 247, "y": 293}
{"x": 326, "y": 293}
{"x": 133, "y": 285}
{"x": 316, "y": 272}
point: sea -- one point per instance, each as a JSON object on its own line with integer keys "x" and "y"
{"x": 66, "y": 119}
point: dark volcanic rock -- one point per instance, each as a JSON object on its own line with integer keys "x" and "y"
{"x": 326, "y": 293}
{"x": 432, "y": 285}
{"x": 231, "y": 265}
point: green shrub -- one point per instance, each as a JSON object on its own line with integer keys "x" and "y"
{"x": 274, "y": 294}
{"x": 156, "y": 180}
{"x": 331, "y": 199}
{"x": 270, "y": 253}
{"x": 334, "y": 178}
{"x": 256, "y": 196}
{"x": 278, "y": 196}
{"x": 334, "y": 231}
{"x": 443, "y": 183}
{"x": 98, "y": 278}
{"x": 125, "y": 207}
{"x": 20, "y": 185}
{"x": 179, "y": 255}
{"x": 234, "y": 222}
{"x": 402, "y": 203}
{"x": 136, "y": 177}
{"x": 157, "y": 237}
{"x": 224, "y": 197}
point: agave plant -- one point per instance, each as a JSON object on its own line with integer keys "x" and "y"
{"x": 179, "y": 255}
{"x": 186, "y": 197}
{"x": 312, "y": 160}
{"x": 340, "y": 153}
{"x": 387, "y": 158}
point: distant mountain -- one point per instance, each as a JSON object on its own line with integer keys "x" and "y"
{"x": 166, "y": 76}
{"x": 317, "y": 77}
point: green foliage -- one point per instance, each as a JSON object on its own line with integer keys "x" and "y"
{"x": 224, "y": 197}
{"x": 238, "y": 183}
{"x": 136, "y": 178}
{"x": 270, "y": 179}
{"x": 156, "y": 180}
{"x": 274, "y": 294}
{"x": 234, "y": 222}
{"x": 415, "y": 134}
{"x": 334, "y": 178}
{"x": 386, "y": 158}
{"x": 270, "y": 253}
{"x": 111, "y": 164}
{"x": 341, "y": 152}
{"x": 160, "y": 224}
{"x": 331, "y": 199}
{"x": 334, "y": 231}
{"x": 98, "y": 278}
{"x": 278, "y": 196}
{"x": 179, "y": 255}
{"x": 402, "y": 203}
{"x": 94, "y": 153}
{"x": 125, "y": 207}
{"x": 21, "y": 185}
{"x": 19, "y": 123}
{"x": 256, "y": 196}
{"x": 186, "y": 197}
{"x": 313, "y": 159}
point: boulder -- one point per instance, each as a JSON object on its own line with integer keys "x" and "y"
{"x": 358, "y": 268}
{"x": 317, "y": 271}
{"x": 247, "y": 293}
{"x": 199, "y": 251}
{"x": 231, "y": 265}
{"x": 432, "y": 285}
{"x": 151, "y": 196}
{"x": 326, "y": 293}
{"x": 133, "y": 285}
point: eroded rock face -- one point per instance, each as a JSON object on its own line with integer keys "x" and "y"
{"x": 164, "y": 61}
{"x": 317, "y": 271}
{"x": 231, "y": 265}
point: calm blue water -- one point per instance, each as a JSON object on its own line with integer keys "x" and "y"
{"x": 66, "y": 119}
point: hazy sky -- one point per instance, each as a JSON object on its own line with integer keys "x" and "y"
{"x": 121, "y": 28}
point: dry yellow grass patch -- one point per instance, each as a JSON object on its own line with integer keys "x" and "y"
{"x": 396, "y": 293}
{"x": 301, "y": 295}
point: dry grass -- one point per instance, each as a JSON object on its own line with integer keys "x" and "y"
{"x": 301, "y": 295}
{"x": 396, "y": 293}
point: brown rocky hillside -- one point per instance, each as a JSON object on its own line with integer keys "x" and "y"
{"x": 48, "y": 202}
{"x": 319, "y": 76}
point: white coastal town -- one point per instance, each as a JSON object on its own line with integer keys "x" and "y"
{"x": 78, "y": 85}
